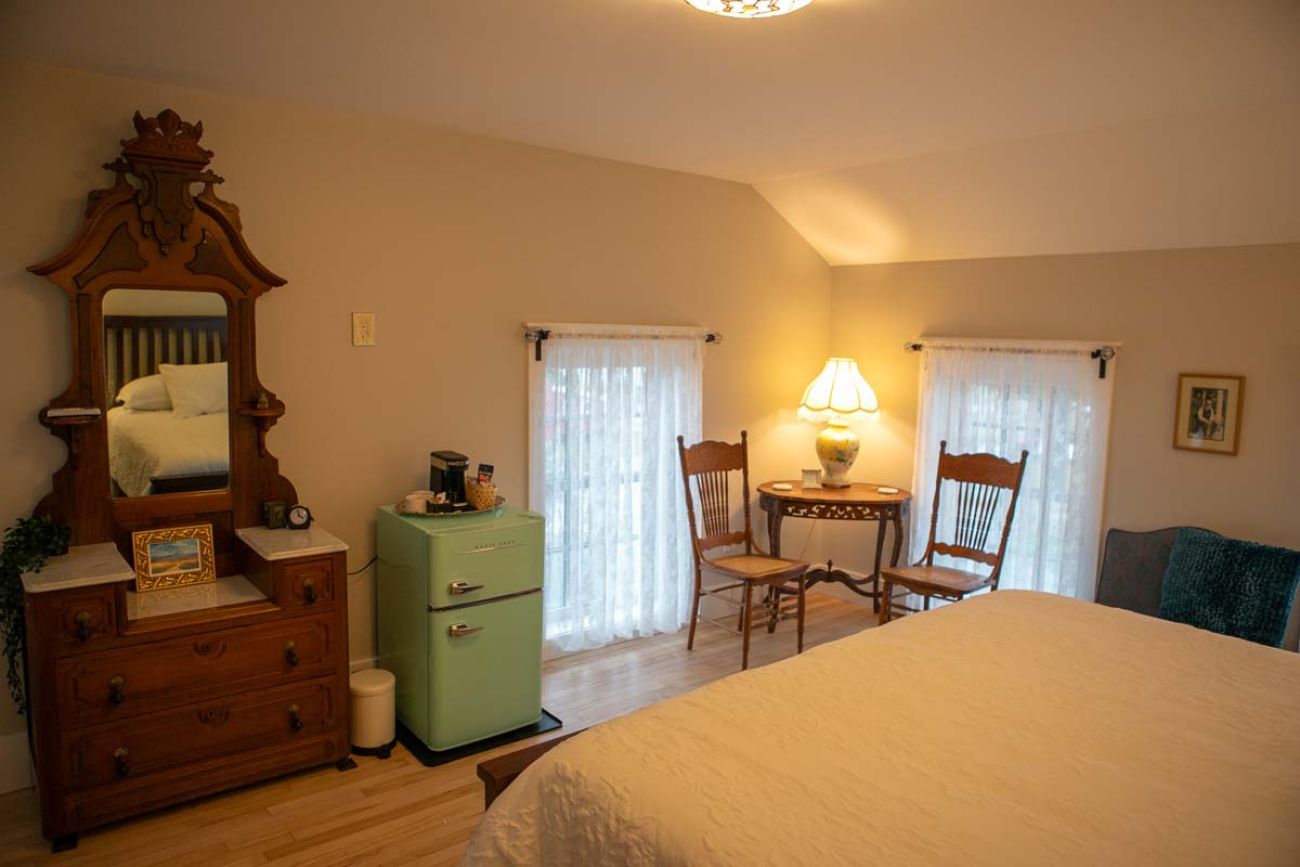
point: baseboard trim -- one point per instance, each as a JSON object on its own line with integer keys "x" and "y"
{"x": 15, "y": 762}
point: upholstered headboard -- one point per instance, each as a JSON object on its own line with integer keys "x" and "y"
{"x": 136, "y": 345}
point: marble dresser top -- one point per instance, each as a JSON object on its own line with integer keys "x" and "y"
{"x": 283, "y": 544}
{"x": 226, "y": 590}
{"x": 82, "y": 566}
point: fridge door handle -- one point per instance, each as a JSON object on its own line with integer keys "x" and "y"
{"x": 458, "y": 587}
{"x": 497, "y": 546}
{"x": 460, "y": 630}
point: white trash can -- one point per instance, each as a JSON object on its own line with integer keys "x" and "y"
{"x": 374, "y": 722}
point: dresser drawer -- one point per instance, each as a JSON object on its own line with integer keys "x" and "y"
{"x": 305, "y": 583}
{"x": 75, "y": 620}
{"x": 115, "y": 684}
{"x": 133, "y": 795}
{"x": 214, "y": 729}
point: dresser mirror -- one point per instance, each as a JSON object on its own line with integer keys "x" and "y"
{"x": 168, "y": 392}
{"x": 165, "y": 420}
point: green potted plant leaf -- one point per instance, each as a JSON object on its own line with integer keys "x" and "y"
{"x": 27, "y": 545}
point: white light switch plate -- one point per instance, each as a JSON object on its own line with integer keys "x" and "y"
{"x": 363, "y": 329}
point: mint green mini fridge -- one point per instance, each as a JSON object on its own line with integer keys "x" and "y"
{"x": 460, "y": 622}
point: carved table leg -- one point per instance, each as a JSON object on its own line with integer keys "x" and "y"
{"x": 773, "y": 598}
{"x": 774, "y": 529}
{"x": 875, "y": 574}
{"x": 897, "y": 521}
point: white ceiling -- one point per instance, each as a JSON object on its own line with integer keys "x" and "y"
{"x": 843, "y": 84}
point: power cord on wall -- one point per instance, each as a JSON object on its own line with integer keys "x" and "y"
{"x": 369, "y": 563}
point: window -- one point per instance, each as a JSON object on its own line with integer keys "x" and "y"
{"x": 606, "y": 406}
{"x": 1000, "y": 397}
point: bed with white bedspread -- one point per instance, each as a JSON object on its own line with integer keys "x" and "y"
{"x": 1015, "y": 728}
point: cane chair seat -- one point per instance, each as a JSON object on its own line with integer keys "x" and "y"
{"x": 937, "y": 580}
{"x": 756, "y": 567}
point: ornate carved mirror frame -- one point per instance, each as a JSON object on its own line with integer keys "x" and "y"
{"x": 151, "y": 230}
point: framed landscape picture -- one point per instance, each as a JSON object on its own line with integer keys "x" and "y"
{"x": 1208, "y": 418}
{"x": 174, "y": 557}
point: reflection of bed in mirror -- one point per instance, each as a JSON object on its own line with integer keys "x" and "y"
{"x": 153, "y": 446}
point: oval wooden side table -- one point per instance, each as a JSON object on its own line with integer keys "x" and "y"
{"x": 858, "y": 502}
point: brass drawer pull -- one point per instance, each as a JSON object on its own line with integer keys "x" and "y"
{"x": 460, "y": 630}
{"x": 456, "y": 588}
{"x": 117, "y": 689}
{"x": 121, "y": 762}
{"x": 309, "y": 591}
{"x": 295, "y": 719}
{"x": 290, "y": 654}
{"x": 83, "y": 626}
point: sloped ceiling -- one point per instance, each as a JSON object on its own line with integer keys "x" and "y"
{"x": 882, "y": 129}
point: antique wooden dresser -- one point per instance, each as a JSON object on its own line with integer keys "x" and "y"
{"x": 138, "y": 700}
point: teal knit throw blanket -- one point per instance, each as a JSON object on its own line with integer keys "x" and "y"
{"x": 1229, "y": 586}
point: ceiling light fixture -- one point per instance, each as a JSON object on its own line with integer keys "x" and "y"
{"x": 749, "y": 8}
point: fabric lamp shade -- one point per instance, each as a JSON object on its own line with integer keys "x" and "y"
{"x": 839, "y": 390}
{"x": 838, "y": 393}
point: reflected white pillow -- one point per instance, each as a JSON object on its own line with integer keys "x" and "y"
{"x": 196, "y": 389}
{"x": 146, "y": 394}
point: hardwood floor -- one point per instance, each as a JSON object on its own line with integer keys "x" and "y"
{"x": 398, "y": 811}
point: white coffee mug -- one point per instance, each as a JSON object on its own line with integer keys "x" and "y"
{"x": 417, "y": 502}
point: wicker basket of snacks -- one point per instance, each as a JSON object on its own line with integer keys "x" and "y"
{"x": 479, "y": 496}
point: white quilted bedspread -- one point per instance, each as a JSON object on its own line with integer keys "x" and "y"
{"x": 1014, "y": 728}
{"x": 146, "y": 445}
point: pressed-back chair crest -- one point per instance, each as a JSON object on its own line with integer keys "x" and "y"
{"x": 711, "y": 464}
{"x": 983, "y": 481}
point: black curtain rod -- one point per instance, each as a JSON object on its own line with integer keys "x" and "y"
{"x": 538, "y": 335}
{"x": 1101, "y": 354}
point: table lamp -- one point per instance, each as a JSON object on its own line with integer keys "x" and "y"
{"x": 837, "y": 393}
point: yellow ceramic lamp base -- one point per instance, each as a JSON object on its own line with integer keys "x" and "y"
{"x": 837, "y": 449}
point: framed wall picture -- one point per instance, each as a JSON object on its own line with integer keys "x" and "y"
{"x": 1208, "y": 417}
{"x": 174, "y": 557}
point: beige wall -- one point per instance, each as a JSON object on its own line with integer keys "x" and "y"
{"x": 1223, "y": 310}
{"x": 453, "y": 241}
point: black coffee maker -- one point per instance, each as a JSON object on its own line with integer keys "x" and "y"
{"x": 447, "y": 474}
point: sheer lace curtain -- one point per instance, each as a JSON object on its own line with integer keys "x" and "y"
{"x": 1002, "y": 397}
{"x": 607, "y": 403}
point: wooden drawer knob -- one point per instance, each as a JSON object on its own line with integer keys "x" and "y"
{"x": 117, "y": 689}
{"x": 309, "y": 591}
{"x": 290, "y": 654}
{"x": 295, "y": 718}
{"x": 121, "y": 762}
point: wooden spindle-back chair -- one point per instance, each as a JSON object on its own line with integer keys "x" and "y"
{"x": 711, "y": 464}
{"x": 981, "y": 480}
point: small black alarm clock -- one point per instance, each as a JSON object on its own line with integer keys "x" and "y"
{"x": 299, "y": 517}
